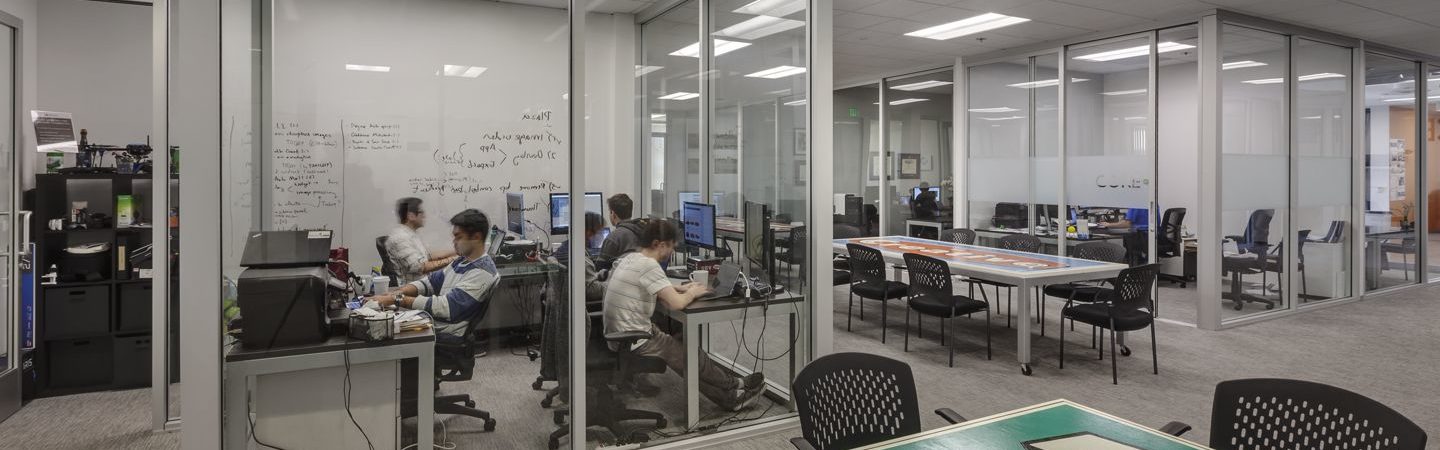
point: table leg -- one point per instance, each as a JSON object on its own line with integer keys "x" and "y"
{"x": 789, "y": 387}
{"x": 692, "y": 374}
{"x": 1022, "y": 333}
{"x": 237, "y": 417}
{"x": 425, "y": 398}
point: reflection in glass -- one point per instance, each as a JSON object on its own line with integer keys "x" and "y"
{"x": 671, "y": 89}
{"x": 1177, "y": 136}
{"x": 1391, "y": 209}
{"x": 1432, "y": 149}
{"x": 918, "y": 109}
{"x": 1000, "y": 110}
{"x": 1322, "y": 137}
{"x": 857, "y": 158}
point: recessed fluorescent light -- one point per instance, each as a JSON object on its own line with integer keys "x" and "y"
{"x": 1135, "y": 118}
{"x": 1131, "y": 52}
{"x": 1002, "y": 109}
{"x": 778, "y": 72}
{"x": 1409, "y": 99}
{"x": 1320, "y": 76}
{"x": 772, "y": 8}
{"x": 657, "y": 117}
{"x": 921, "y": 85}
{"x": 759, "y": 27}
{"x": 642, "y": 70}
{"x": 365, "y": 68}
{"x": 1265, "y": 81}
{"x": 1129, "y": 92}
{"x": 1044, "y": 83}
{"x": 983, "y": 22}
{"x": 796, "y": 103}
{"x": 1310, "y": 118}
{"x": 679, "y": 96}
{"x": 721, "y": 47}
{"x": 463, "y": 71}
{"x": 1241, "y": 64}
{"x": 1002, "y": 118}
{"x": 906, "y": 100}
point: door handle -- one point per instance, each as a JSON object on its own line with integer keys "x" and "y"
{"x": 24, "y": 218}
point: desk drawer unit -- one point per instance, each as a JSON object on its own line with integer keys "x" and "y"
{"x": 77, "y": 312}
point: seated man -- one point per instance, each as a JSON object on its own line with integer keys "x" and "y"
{"x": 626, "y": 235}
{"x": 594, "y": 287}
{"x": 636, "y": 284}
{"x": 405, "y": 248}
{"x": 453, "y": 296}
{"x": 1136, "y": 219}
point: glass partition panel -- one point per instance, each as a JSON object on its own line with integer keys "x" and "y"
{"x": 999, "y": 110}
{"x": 857, "y": 161}
{"x": 1108, "y": 165}
{"x": 1391, "y": 163}
{"x": 1177, "y": 180}
{"x": 919, "y": 110}
{"x": 669, "y": 72}
{"x": 1045, "y": 140}
{"x": 1432, "y": 170}
{"x": 1255, "y": 168}
{"x": 1324, "y": 159}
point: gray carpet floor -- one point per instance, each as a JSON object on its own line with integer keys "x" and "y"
{"x": 1385, "y": 348}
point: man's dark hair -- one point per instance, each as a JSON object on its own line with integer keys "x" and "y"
{"x": 593, "y": 222}
{"x": 622, "y": 205}
{"x": 407, "y": 205}
{"x": 472, "y": 221}
{"x": 655, "y": 231}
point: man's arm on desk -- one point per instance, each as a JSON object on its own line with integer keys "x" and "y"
{"x": 678, "y": 297}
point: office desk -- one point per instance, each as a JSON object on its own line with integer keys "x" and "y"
{"x": 699, "y": 315}
{"x": 921, "y": 228}
{"x": 1374, "y": 238}
{"x": 520, "y": 286}
{"x": 1021, "y": 269}
{"x": 1010, "y": 430}
{"x": 734, "y": 229}
{"x": 1051, "y": 240}
{"x": 242, "y": 363}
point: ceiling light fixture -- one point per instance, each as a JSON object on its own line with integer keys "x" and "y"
{"x": 1409, "y": 99}
{"x": 1044, "y": 83}
{"x": 721, "y": 47}
{"x": 1241, "y": 64}
{"x": 906, "y": 100}
{"x": 772, "y": 8}
{"x": 1131, "y": 52}
{"x": 963, "y": 27}
{"x": 759, "y": 27}
{"x": 1320, "y": 76}
{"x": 679, "y": 96}
{"x": 921, "y": 85}
{"x": 796, "y": 103}
{"x": 1129, "y": 92}
{"x": 1002, "y": 109}
{"x": 642, "y": 70}
{"x": 1002, "y": 118}
{"x": 463, "y": 71}
{"x": 365, "y": 68}
{"x": 778, "y": 72}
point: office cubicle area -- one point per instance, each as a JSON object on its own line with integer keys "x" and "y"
{"x": 857, "y": 161}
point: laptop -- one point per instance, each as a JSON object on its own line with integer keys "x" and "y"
{"x": 724, "y": 284}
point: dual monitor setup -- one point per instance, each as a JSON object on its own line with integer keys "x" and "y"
{"x": 698, "y": 221}
{"x": 559, "y": 211}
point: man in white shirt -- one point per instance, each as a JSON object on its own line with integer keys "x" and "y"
{"x": 405, "y": 247}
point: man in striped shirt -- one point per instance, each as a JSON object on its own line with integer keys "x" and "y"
{"x": 457, "y": 294}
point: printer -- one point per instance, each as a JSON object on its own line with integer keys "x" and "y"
{"x": 283, "y": 291}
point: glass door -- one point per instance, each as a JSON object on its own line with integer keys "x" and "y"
{"x": 12, "y": 222}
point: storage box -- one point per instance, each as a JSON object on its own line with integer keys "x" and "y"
{"x": 134, "y": 307}
{"x": 76, "y": 312}
{"x": 132, "y": 361}
{"x": 79, "y": 362}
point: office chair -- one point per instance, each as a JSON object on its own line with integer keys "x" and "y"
{"x": 794, "y": 254}
{"x": 867, "y": 266}
{"x": 964, "y": 236}
{"x": 1011, "y": 215}
{"x": 1275, "y": 262}
{"x": 932, "y": 294}
{"x": 872, "y": 219}
{"x": 454, "y": 361}
{"x": 1127, "y": 307}
{"x": 1084, "y": 291}
{"x": 842, "y": 265}
{"x": 387, "y": 267}
{"x": 1407, "y": 246}
{"x": 1265, "y": 413}
{"x": 1170, "y": 243}
{"x": 1254, "y": 242}
{"x": 606, "y": 371}
{"x": 1014, "y": 242}
{"x": 849, "y": 400}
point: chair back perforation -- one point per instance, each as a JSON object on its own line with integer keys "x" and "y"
{"x": 1020, "y": 243}
{"x": 959, "y": 236}
{"x": 848, "y": 400}
{"x": 928, "y": 276}
{"x": 866, "y": 263}
{"x": 1293, "y": 414}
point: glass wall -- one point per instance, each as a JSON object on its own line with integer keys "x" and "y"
{"x": 1177, "y": 155}
{"x": 919, "y": 110}
{"x": 1323, "y": 158}
{"x": 1000, "y": 107}
{"x": 857, "y": 160}
{"x": 1391, "y": 165}
{"x": 1255, "y": 171}
{"x": 1432, "y": 170}
{"x": 668, "y": 72}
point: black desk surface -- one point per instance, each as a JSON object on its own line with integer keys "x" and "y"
{"x": 736, "y": 302}
{"x": 335, "y": 343}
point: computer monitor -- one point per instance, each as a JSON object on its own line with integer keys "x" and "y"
{"x": 699, "y": 221}
{"x": 915, "y": 192}
{"x": 560, "y": 209}
{"x": 515, "y": 212}
{"x": 493, "y": 241}
{"x": 694, "y": 197}
{"x": 757, "y": 234}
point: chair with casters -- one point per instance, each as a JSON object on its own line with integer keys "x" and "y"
{"x": 1170, "y": 243}
{"x": 454, "y": 362}
{"x": 606, "y": 371}
{"x": 1265, "y": 413}
{"x": 1085, "y": 291}
{"x": 932, "y": 294}
{"x": 1128, "y": 306}
{"x": 1253, "y": 247}
{"x": 849, "y": 400}
{"x": 1014, "y": 242}
{"x": 387, "y": 267}
{"x": 794, "y": 254}
{"x": 867, "y": 267}
{"x": 959, "y": 236}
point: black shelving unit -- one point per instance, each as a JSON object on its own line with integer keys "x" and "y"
{"x": 94, "y": 335}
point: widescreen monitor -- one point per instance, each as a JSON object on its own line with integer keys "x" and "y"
{"x": 699, "y": 221}
{"x": 515, "y": 212}
{"x": 560, "y": 209}
{"x": 757, "y": 232}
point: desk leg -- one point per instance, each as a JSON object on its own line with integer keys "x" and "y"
{"x": 425, "y": 398}
{"x": 692, "y": 374}
{"x": 789, "y": 384}
{"x": 237, "y": 419}
{"x": 1022, "y": 333}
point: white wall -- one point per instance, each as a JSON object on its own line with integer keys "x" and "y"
{"x": 95, "y": 62}
{"x": 1178, "y": 140}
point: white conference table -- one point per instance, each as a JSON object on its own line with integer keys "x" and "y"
{"x": 1022, "y": 269}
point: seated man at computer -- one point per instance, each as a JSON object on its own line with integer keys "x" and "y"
{"x": 405, "y": 247}
{"x": 925, "y": 204}
{"x": 626, "y": 235}
{"x": 594, "y": 287}
{"x": 1135, "y": 219}
{"x": 454, "y": 294}
{"x": 636, "y": 284}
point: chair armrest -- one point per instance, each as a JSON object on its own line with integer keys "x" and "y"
{"x": 801, "y": 444}
{"x": 627, "y": 337}
{"x": 1234, "y": 238}
{"x": 1175, "y": 428}
{"x": 950, "y": 415}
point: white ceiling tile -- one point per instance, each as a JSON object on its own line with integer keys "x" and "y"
{"x": 899, "y": 26}
{"x": 1066, "y": 14}
{"x": 858, "y": 20}
{"x": 1150, "y": 9}
{"x": 944, "y": 14}
{"x": 896, "y": 8}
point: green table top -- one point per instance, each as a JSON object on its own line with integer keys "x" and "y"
{"x": 1009, "y": 430}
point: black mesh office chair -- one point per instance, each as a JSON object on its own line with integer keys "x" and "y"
{"x": 794, "y": 253}
{"x": 1170, "y": 243}
{"x": 605, "y": 371}
{"x": 959, "y": 236}
{"x": 1253, "y": 247}
{"x": 849, "y": 400}
{"x": 867, "y": 266}
{"x": 1129, "y": 306}
{"x": 387, "y": 267}
{"x": 841, "y": 264}
{"x": 454, "y": 361}
{"x": 1013, "y": 242}
{"x": 1085, "y": 291}
{"x": 1267, "y": 413}
{"x": 932, "y": 294}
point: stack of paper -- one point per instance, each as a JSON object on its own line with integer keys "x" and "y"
{"x": 412, "y": 321}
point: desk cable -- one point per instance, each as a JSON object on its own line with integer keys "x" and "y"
{"x": 346, "y": 386}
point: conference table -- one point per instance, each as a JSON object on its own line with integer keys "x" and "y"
{"x": 1058, "y": 424}
{"x": 1024, "y": 270}
{"x": 733, "y": 228}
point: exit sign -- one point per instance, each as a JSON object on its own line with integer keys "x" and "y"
{"x": 854, "y": 112}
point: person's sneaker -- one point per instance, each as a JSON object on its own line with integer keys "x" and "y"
{"x": 752, "y": 381}
{"x": 745, "y": 399}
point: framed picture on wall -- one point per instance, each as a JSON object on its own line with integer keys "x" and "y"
{"x": 802, "y": 172}
{"x": 909, "y": 166}
{"x": 802, "y": 147}
{"x": 927, "y": 162}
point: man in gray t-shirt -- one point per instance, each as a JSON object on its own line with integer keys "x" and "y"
{"x": 637, "y": 283}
